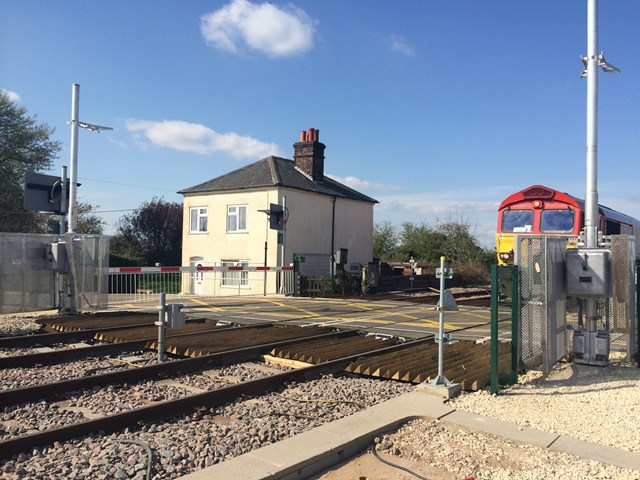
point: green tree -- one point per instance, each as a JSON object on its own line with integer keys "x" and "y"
{"x": 25, "y": 146}
{"x": 89, "y": 222}
{"x": 422, "y": 242}
{"x": 153, "y": 232}
{"x": 385, "y": 241}
{"x": 461, "y": 246}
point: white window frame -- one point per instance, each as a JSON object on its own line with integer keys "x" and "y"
{"x": 200, "y": 220}
{"x": 235, "y": 279}
{"x": 234, "y": 212}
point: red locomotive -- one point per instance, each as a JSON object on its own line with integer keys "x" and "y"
{"x": 542, "y": 210}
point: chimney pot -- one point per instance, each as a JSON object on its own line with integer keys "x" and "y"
{"x": 310, "y": 158}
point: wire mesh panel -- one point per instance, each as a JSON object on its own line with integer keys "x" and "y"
{"x": 556, "y": 300}
{"x": 618, "y": 313}
{"x": 89, "y": 266}
{"x": 27, "y": 284}
{"x": 622, "y": 305}
{"x": 529, "y": 257}
{"x": 542, "y": 300}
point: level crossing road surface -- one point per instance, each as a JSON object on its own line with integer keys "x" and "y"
{"x": 388, "y": 317}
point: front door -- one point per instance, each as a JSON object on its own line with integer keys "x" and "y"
{"x": 197, "y": 278}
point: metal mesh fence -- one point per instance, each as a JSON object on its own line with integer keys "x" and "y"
{"x": 89, "y": 266}
{"x": 617, "y": 313}
{"x": 26, "y": 284}
{"x": 549, "y": 317}
{"x": 542, "y": 300}
{"x": 530, "y": 259}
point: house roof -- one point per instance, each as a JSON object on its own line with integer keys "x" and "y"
{"x": 275, "y": 172}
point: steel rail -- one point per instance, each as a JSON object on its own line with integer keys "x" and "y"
{"x": 65, "y": 337}
{"x": 161, "y": 370}
{"x": 55, "y": 356}
{"x": 174, "y": 408}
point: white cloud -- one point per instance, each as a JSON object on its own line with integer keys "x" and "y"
{"x": 195, "y": 138}
{"x": 360, "y": 184}
{"x": 13, "y": 96}
{"x": 400, "y": 45}
{"x": 274, "y": 31}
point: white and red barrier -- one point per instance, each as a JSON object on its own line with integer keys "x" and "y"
{"x": 198, "y": 269}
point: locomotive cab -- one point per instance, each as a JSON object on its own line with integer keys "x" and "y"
{"x": 536, "y": 210}
{"x": 540, "y": 210}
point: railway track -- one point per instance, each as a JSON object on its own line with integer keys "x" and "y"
{"x": 190, "y": 388}
{"x": 175, "y": 407}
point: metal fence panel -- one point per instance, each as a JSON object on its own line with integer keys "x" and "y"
{"x": 619, "y": 312}
{"x": 26, "y": 284}
{"x": 89, "y": 265}
{"x": 313, "y": 263}
{"x": 542, "y": 299}
{"x": 556, "y": 326}
{"x": 130, "y": 285}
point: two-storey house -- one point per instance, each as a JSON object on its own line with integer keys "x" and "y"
{"x": 225, "y": 221}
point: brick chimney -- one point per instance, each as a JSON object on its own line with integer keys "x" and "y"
{"x": 308, "y": 154}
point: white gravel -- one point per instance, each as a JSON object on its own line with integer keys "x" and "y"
{"x": 595, "y": 404}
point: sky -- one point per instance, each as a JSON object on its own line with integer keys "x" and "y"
{"x": 438, "y": 109}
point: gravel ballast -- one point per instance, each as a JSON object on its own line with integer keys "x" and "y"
{"x": 595, "y": 404}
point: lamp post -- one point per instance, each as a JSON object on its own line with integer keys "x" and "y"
{"x": 73, "y": 183}
{"x": 592, "y": 61}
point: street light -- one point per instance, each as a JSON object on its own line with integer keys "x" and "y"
{"x": 75, "y": 123}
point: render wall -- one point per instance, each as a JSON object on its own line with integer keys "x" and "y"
{"x": 308, "y": 230}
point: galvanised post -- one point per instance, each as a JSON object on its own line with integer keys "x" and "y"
{"x": 515, "y": 322}
{"x": 495, "y": 293}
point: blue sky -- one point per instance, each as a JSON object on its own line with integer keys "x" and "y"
{"x": 439, "y": 109}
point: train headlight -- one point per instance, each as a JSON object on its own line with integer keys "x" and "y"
{"x": 537, "y": 204}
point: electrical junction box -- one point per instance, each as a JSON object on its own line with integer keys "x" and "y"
{"x": 56, "y": 257}
{"x": 177, "y": 319}
{"x": 588, "y": 272}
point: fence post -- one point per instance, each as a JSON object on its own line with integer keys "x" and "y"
{"x": 162, "y": 325}
{"x": 515, "y": 322}
{"x": 495, "y": 293}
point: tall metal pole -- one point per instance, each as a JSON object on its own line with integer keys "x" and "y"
{"x": 591, "y": 199}
{"x": 592, "y": 218}
{"x": 441, "y": 378}
{"x": 284, "y": 243}
{"x": 73, "y": 207}
{"x": 284, "y": 230}
{"x": 63, "y": 201}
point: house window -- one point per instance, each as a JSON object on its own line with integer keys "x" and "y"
{"x": 238, "y": 278}
{"x": 198, "y": 222}
{"x": 237, "y": 218}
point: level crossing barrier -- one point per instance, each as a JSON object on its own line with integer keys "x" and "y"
{"x": 141, "y": 284}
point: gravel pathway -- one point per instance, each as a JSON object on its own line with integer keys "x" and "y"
{"x": 596, "y": 404}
